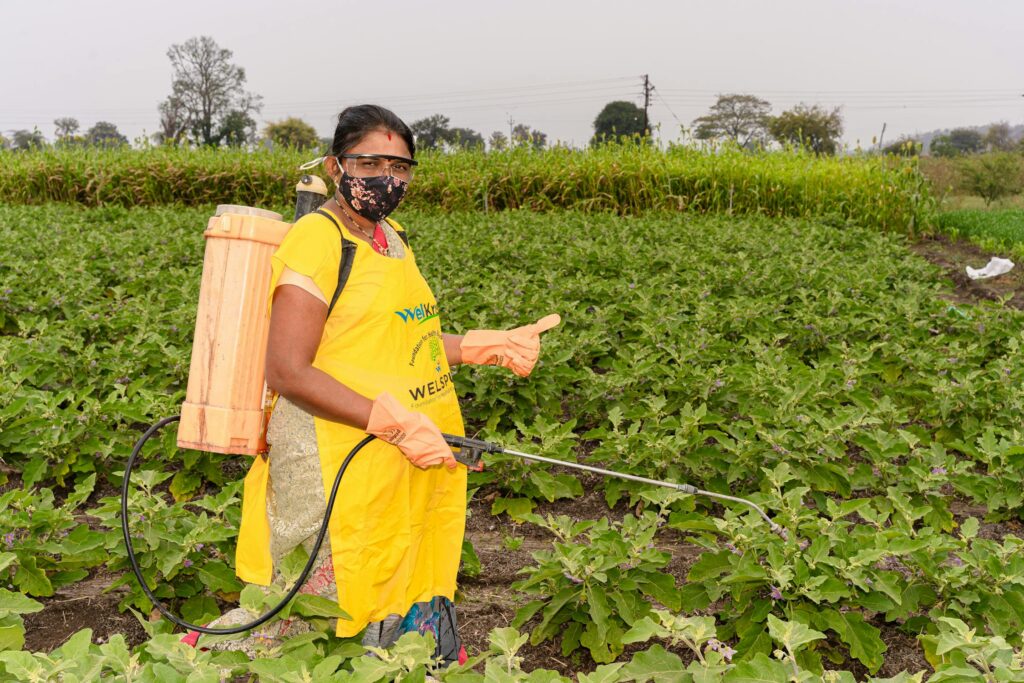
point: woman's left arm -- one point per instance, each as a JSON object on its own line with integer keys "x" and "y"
{"x": 452, "y": 348}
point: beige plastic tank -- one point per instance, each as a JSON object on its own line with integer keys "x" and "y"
{"x": 224, "y": 409}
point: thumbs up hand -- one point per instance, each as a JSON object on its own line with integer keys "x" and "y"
{"x": 516, "y": 349}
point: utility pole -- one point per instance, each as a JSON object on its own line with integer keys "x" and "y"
{"x": 510, "y": 124}
{"x": 647, "y": 103}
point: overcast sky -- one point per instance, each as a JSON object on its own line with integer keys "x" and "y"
{"x": 915, "y": 66}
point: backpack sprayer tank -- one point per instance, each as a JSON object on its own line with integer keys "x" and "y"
{"x": 226, "y": 407}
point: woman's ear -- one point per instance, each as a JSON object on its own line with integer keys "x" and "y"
{"x": 333, "y": 168}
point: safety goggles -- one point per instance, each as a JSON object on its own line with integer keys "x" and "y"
{"x": 369, "y": 165}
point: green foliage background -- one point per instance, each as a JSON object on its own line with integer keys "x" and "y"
{"x": 880, "y": 192}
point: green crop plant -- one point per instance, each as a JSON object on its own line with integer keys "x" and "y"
{"x": 995, "y": 230}
{"x": 888, "y": 194}
{"x": 47, "y": 546}
{"x": 811, "y": 363}
{"x": 591, "y": 590}
{"x": 184, "y": 550}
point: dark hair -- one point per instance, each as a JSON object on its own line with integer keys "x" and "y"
{"x": 355, "y": 122}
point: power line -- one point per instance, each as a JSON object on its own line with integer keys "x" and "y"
{"x": 715, "y": 91}
{"x": 667, "y": 106}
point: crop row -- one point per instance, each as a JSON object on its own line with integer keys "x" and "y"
{"x": 885, "y": 193}
{"x": 811, "y": 365}
{"x": 995, "y": 230}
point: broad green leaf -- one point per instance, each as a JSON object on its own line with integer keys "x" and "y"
{"x": 252, "y": 598}
{"x": 606, "y": 673}
{"x": 32, "y": 580}
{"x": 326, "y": 667}
{"x": 969, "y": 527}
{"x": 759, "y": 669}
{"x": 77, "y": 646}
{"x": 656, "y": 665}
{"x": 17, "y": 603}
{"x": 644, "y": 630}
{"x": 864, "y": 640}
{"x": 217, "y": 576}
{"x": 600, "y": 612}
{"x": 791, "y": 634}
{"x": 292, "y": 564}
{"x": 515, "y": 507}
{"x": 709, "y": 566}
{"x": 12, "y": 633}
{"x": 200, "y": 609}
{"x": 22, "y": 665}
{"x": 308, "y": 605}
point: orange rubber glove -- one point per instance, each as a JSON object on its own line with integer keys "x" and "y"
{"x": 411, "y": 431}
{"x": 516, "y": 349}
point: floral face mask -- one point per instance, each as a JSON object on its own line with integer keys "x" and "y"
{"x": 372, "y": 197}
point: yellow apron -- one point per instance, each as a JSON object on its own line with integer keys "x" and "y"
{"x": 396, "y": 530}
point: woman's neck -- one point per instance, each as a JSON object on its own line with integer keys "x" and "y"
{"x": 349, "y": 216}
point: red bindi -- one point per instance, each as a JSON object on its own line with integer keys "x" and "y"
{"x": 389, "y": 136}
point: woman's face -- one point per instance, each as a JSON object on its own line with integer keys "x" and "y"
{"x": 378, "y": 141}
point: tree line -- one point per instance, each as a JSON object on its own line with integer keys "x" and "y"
{"x": 210, "y": 106}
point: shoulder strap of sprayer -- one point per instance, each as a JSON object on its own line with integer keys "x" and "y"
{"x": 348, "y": 253}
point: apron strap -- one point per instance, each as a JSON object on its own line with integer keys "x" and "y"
{"x": 348, "y": 253}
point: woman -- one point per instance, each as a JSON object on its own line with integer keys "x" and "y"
{"x": 377, "y": 362}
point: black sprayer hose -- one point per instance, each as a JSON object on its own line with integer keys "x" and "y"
{"x": 262, "y": 619}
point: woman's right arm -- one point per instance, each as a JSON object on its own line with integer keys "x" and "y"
{"x": 297, "y": 321}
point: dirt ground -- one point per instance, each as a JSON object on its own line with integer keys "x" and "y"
{"x": 81, "y": 605}
{"x": 953, "y": 256}
{"x": 487, "y": 601}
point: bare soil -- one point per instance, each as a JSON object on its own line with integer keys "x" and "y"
{"x": 77, "y": 606}
{"x": 953, "y": 256}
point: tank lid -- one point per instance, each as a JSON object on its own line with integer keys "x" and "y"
{"x": 247, "y": 211}
{"x": 311, "y": 183}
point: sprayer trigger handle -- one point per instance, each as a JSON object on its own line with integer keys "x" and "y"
{"x": 470, "y": 458}
{"x": 470, "y": 451}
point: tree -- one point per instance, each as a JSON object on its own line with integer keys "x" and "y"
{"x": 66, "y": 127}
{"x": 464, "y": 138}
{"x": 813, "y": 127}
{"x": 617, "y": 119}
{"x": 998, "y": 137}
{"x": 237, "y": 128}
{"x": 958, "y": 141}
{"x": 292, "y": 132}
{"x": 522, "y": 134}
{"x": 498, "y": 141}
{"x": 431, "y": 132}
{"x": 741, "y": 118}
{"x": 208, "y": 89}
{"x": 992, "y": 176}
{"x": 26, "y": 140}
{"x": 105, "y": 134}
{"x": 172, "y": 121}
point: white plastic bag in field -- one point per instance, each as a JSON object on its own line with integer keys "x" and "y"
{"x": 997, "y": 266}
